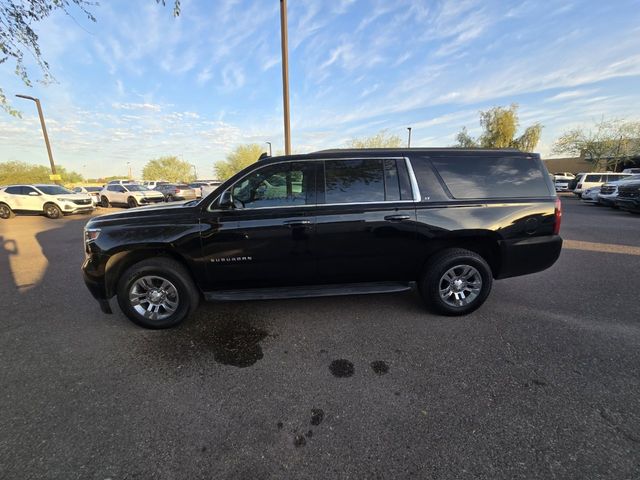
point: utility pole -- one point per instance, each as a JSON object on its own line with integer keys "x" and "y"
{"x": 409, "y": 140}
{"x": 269, "y": 143}
{"x": 129, "y": 169}
{"x": 285, "y": 76}
{"x": 44, "y": 132}
{"x": 195, "y": 171}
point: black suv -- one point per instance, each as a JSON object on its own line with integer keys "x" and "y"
{"x": 629, "y": 197}
{"x": 334, "y": 222}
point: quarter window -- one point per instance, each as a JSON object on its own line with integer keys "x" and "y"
{"x": 279, "y": 185}
{"x": 593, "y": 178}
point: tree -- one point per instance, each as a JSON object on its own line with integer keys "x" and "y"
{"x": 18, "y": 35}
{"x": 608, "y": 144}
{"x": 171, "y": 169}
{"x": 241, "y": 157}
{"x": 499, "y": 125}
{"x": 382, "y": 139}
{"x": 22, "y": 172}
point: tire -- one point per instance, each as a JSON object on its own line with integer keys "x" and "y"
{"x": 455, "y": 273}
{"x": 51, "y": 210}
{"x": 151, "y": 274}
{"x": 6, "y": 212}
{"x": 104, "y": 202}
{"x": 132, "y": 203}
{"x": 170, "y": 198}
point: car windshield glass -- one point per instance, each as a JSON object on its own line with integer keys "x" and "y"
{"x": 136, "y": 188}
{"x": 93, "y": 189}
{"x": 53, "y": 190}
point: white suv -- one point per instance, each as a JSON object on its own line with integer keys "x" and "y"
{"x": 53, "y": 201}
{"x": 130, "y": 195}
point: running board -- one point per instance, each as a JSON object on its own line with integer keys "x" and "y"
{"x": 334, "y": 290}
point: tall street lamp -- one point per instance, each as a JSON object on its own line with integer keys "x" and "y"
{"x": 269, "y": 143}
{"x": 285, "y": 76}
{"x": 44, "y": 131}
{"x": 409, "y": 139}
{"x": 195, "y": 172}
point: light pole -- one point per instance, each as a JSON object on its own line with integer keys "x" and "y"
{"x": 195, "y": 172}
{"x": 285, "y": 76}
{"x": 269, "y": 143}
{"x": 44, "y": 131}
{"x": 129, "y": 169}
{"x": 409, "y": 139}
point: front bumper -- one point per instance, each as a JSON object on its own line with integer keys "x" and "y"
{"x": 607, "y": 200}
{"x": 150, "y": 200}
{"x": 531, "y": 255}
{"x": 69, "y": 209}
{"x": 93, "y": 272}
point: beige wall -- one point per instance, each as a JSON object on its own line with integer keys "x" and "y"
{"x": 569, "y": 164}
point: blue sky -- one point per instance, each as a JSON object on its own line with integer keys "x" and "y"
{"x": 139, "y": 83}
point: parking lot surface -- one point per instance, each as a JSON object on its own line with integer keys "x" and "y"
{"x": 542, "y": 382}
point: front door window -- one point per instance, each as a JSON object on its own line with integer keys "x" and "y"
{"x": 281, "y": 185}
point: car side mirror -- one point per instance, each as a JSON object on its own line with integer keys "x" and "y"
{"x": 226, "y": 200}
{"x": 34, "y": 194}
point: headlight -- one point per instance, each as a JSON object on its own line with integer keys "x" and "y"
{"x": 63, "y": 199}
{"x": 91, "y": 234}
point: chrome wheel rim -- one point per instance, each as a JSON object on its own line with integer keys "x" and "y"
{"x": 52, "y": 212}
{"x": 460, "y": 285}
{"x": 154, "y": 297}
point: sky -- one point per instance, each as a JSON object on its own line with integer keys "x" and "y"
{"x": 138, "y": 83}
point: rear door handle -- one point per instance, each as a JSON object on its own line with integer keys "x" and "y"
{"x": 397, "y": 218}
{"x": 297, "y": 223}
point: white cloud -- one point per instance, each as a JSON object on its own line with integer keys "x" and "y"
{"x": 137, "y": 106}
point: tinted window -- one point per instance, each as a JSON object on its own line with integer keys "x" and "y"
{"x": 53, "y": 190}
{"x": 428, "y": 183}
{"x": 13, "y": 190}
{"x": 93, "y": 189}
{"x": 28, "y": 190}
{"x": 491, "y": 177}
{"x": 275, "y": 186}
{"x": 133, "y": 187}
{"x": 351, "y": 181}
{"x": 594, "y": 178}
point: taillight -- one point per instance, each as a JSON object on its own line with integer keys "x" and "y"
{"x": 558, "y": 217}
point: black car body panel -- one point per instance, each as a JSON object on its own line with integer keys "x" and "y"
{"x": 629, "y": 197}
{"x": 425, "y": 207}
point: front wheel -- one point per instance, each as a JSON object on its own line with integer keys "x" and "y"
{"x": 132, "y": 203}
{"x": 6, "y": 212}
{"x": 456, "y": 282}
{"x": 157, "y": 293}
{"x": 104, "y": 202}
{"x": 51, "y": 210}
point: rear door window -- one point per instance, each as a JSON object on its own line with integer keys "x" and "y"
{"x": 492, "y": 177}
{"x": 593, "y": 178}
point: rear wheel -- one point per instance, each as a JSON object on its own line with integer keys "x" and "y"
{"x": 6, "y": 212}
{"x": 132, "y": 203}
{"x": 170, "y": 198}
{"x": 157, "y": 293}
{"x": 456, "y": 282}
{"x": 51, "y": 210}
{"x": 104, "y": 202}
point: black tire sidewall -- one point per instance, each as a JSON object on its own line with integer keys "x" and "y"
{"x": 5, "y": 208}
{"x": 131, "y": 202}
{"x": 185, "y": 299}
{"x": 46, "y": 211}
{"x": 104, "y": 202}
{"x": 430, "y": 284}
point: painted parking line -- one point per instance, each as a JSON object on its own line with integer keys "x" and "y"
{"x": 601, "y": 247}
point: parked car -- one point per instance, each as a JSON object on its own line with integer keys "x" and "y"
{"x": 93, "y": 192}
{"x": 53, "y": 201}
{"x": 590, "y": 195}
{"x": 335, "y": 222}
{"x": 629, "y": 197}
{"x": 568, "y": 175}
{"x": 121, "y": 182}
{"x": 574, "y": 182}
{"x": 631, "y": 170}
{"x": 152, "y": 184}
{"x": 177, "y": 191}
{"x": 130, "y": 195}
{"x": 609, "y": 191}
{"x": 589, "y": 180}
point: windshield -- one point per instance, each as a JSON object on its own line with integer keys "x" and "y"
{"x": 93, "y": 189}
{"x": 53, "y": 190}
{"x": 136, "y": 188}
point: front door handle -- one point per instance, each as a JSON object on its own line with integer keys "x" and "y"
{"x": 297, "y": 223}
{"x": 397, "y": 218}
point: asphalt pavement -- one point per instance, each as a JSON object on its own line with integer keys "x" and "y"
{"x": 542, "y": 382}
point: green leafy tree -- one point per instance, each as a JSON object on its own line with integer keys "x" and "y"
{"x": 608, "y": 144}
{"x": 500, "y": 125}
{"x": 22, "y": 172}
{"x": 382, "y": 139}
{"x": 171, "y": 169}
{"x": 18, "y": 20}
{"x": 241, "y": 157}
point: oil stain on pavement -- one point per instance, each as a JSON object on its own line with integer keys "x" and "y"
{"x": 380, "y": 367}
{"x": 341, "y": 368}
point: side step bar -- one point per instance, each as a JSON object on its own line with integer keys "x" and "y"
{"x": 334, "y": 290}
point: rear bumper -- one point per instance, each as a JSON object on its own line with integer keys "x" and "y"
{"x": 531, "y": 255}
{"x": 631, "y": 204}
